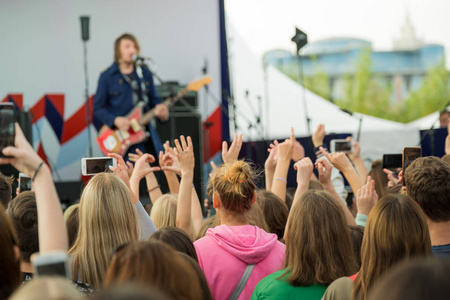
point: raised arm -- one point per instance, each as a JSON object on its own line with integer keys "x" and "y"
{"x": 51, "y": 229}
{"x": 366, "y": 197}
{"x": 270, "y": 165}
{"x": 167, "y": 161}
{"x": 185, "y": 156}
{"x": 231, "y": 154}
{"x": 284, "y": 150}
{"x": 324, "y": 168}
{"x": 143, "y": 169}
{"x": 356, "y": 158}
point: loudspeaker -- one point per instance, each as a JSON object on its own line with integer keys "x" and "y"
{"x": 187, "y": 124}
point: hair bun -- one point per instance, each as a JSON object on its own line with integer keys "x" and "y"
{"x": 237, "y": 173}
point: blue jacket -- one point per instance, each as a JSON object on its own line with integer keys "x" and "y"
{"x": 114, "y": 97}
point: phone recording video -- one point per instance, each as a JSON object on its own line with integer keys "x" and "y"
{"x": 52, "y": 264}
{"x": 341, "y": 145}
{"x": 95, "y": 165}
{"x": 24, "y": 183}
{"x": 409, "y": 155}
{"x": 392, "y": 162}
{"x": 7, "y": 130}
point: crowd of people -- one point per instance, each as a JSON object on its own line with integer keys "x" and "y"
{"x": 390, "y": 241}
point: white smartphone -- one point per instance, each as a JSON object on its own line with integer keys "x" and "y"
{"x": 341, "y": 145}
{"x": 52, "y": 264}
{"x": 95, "y": 165}
{"x": 24, "y": 182}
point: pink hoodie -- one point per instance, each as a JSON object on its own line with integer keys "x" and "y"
{"x": 225, "y": 252}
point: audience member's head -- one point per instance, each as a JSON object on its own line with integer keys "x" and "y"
{"x": 233, "y": 190}
{"x": 396, "y": 230}
{"x": 381, "y": 180}
{"x": 71, "y": 217}
{"x": 131, "y": 291}
{"x": 5, "y": 190}
{"x": 443, "y": 118}
{"x": 10, "y": 277}
{"x": 208, "y": 223}
{"x": 274, "y": 210}
{"x": 427, "y": 181}
{"x": 23, "y": 213}
{"x": 164, "y": 211}
{"x": 446, "y": 159}
{"x": 107, "y": 219}
{"x": 357, "y": 234}
{"x": 49, "y": 288}
{"x": 256, "y": 217}
{"x": 154, "y": 263}
{"x": 394, "y": 189}
{"x": 315, "y": 185}
{"x": 177, "y": 239}
{"x": 290, "y": 193}
{"x": 318, "y": 245}
{"x": 201, "y": 276}
{"x": 420, "y": 279}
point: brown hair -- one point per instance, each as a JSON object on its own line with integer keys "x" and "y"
{"x": 233, "y": 183}
{"x": 427, "y": 182}
{"x": 201, "y": 276}
{"x": 357, "y": 234}
{"x": 381, "y": 179}
{"x": 9, "y": 264}
{"x": 208, "y": 223}
{"x": 290, "y": 193}
{"x": 125, "y": 36}
{"x": 72, "y": 223}
{"x": 5, "y": 189}
{"x": 318, "y": 245}
{"x": 177, "y": 239}
{"x": 275, "y": 211}
{"x": 420, "y": 279}
{"x": 446, "y": 159}
{"x": 396, "y": 230}
{"x": 315, "y": 185}
{"x": 49, "y": 288}
{"x": 23, "y": 213}
{"x": 154, "y": 263}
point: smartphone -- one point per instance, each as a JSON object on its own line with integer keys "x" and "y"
{"x": 24, "y": 183}
{"x": 341, "y": 145}
{"x": 409, "y": 155}
{"x": 7, "y": 130}
{"x": 95, "y": 165}
{"x": 52, "y": 264}
{"x": 392, "y": 161}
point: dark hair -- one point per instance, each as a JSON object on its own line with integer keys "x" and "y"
{"x": 177, "y": 239}
{"x": 357, "y": 234}
{"x": 153, "y": 263}
{"x": 5, "y": 190}
{"x": 420, "y": 279}
{"x": 394, "y": 189}
{"x": 315, "y": 185}
{"x": 73, "y": 224}
{"x": 318, "y": 245}
{"x": 10, "y": 277}
{"x": 201, "y": 276}
{"x": 274, "y": 210}
{"x": 446, "y": 159}
{"x": 23, "y": 213}
{"x": 427, "y": 182}
{"x": 381, "y": 179}
{"x": 290, "y": 193}
{"x": 125, "y": 36}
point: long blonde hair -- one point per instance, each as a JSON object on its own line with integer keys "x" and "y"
{"x": 108, "y": 219}
{"x": 164, "y": 211}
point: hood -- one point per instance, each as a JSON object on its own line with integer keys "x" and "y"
{"x": 249, "y": 243}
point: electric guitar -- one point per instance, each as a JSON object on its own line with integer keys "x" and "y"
{"x": 118, "y": 141}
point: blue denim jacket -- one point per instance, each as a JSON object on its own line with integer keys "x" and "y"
{"x": 114, "y": 97}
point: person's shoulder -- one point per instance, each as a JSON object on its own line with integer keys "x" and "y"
{"x": 339, "y": 289}
{"x": 110, "y": 70}
{"x": 268, "y": 283}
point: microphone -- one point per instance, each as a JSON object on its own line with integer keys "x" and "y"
{"x": 139, "y": 58}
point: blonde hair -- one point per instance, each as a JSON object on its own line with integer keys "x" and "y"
{"x": 164, "y": 211}
{"x": 69, "y": 210}
{"x": 46, "y": 287}
{"x": 107, "y": 219}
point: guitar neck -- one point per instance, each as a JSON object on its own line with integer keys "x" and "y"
{"x": 150, "y": 115}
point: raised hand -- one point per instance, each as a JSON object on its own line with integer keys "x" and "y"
{"x": 390, "y": 175}
{"x": 121, "y": 169}
{"x": 324, "y": 168}
{"x": 271, "y": 161}
{"x": 366, "y": 197}
{"x": 318, "y": 135}
{"x": 230, "y": 155}
{"x": 338, "y": 159}
{"x": 356, "y": 153}
{"x": 285, "y": 149}
{"x": 171, "y": 163}
{"x": 304, "y": 169}
{"x": 185, "y": 155}
{"x": 142, "y": 165}
{"x": 298, "y": 152}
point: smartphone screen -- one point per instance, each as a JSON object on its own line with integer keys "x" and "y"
{"x": 98, "y": 165}
{"x": 24, "y": 183}
{"x": 392, "y": 161}
{"x": 7, "y": 131}
{"x": 57, "y": 268}
{"x": 340, "y": 145}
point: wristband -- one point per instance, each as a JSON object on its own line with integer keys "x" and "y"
{"x": 280, "y": 178}
{"x": 153, "y": 188}
{"x": 37, "y": 170}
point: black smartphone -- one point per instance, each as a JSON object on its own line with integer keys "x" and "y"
{"x": 24, "y": 183}
{"x": 392, "y": 161}
{"x": 409, "y": 155}
{"x": 7, "y": 130}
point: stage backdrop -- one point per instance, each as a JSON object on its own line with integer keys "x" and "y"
{"x": 42, "y": 62}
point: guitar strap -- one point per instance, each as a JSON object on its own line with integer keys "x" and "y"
{"x": 143, "y": 87}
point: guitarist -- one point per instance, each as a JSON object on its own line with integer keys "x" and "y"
{"x": 120, "y": 88}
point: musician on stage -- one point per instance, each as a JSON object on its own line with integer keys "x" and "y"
{"x": 120, "y": 88}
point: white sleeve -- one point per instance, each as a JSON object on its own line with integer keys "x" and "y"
{"x": 147, "y": 227}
